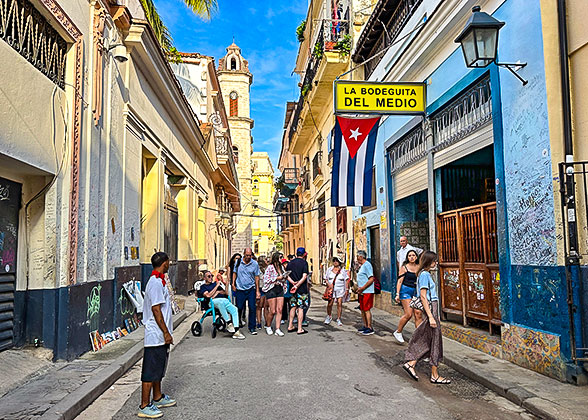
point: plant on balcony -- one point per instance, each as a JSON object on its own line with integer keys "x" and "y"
{"x": 300, "y": 31}
{"x": 344, "y": 45}
{"x": 305, "y": 90}
{"x": 317, "y": 52}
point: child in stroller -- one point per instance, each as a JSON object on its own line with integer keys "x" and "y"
{"x": 215, "y": 293}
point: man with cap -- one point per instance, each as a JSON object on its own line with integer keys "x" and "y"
{"x": 299, "y": 289}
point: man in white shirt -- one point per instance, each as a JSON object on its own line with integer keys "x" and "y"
{"x": 404, "y": 248}
{"x": 157, "y": 317}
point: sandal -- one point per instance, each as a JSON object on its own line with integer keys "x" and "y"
{"x": 410, "y": 370}
{"x": 302, "y": 332}
{"x": 291, "y": 330}
{"x": 440, "y": 381}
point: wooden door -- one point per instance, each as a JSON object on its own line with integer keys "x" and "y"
{"x": 468, "y": 262}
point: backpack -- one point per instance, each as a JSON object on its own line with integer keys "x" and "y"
{"x": 377, "y": 286}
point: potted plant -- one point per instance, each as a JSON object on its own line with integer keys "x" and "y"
{"x": 344, "y": 45}
{"x": 317, "y": 52}
{"x": 300, "y": 31}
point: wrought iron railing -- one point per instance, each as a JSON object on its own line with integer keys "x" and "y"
{"x": 409, "y": 149}
{"x": 29, "y": 33}
{"x": 390, "y": 32}
{"x": 463, "y": 115}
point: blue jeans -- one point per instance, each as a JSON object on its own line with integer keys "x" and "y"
{"x": 247, "y": 296}
{"x": 225, "y": 307}
{"x": 407, "y": 292}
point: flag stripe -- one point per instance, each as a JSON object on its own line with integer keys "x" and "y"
{"x": 342, "y": 193}
{"x": 335, "y": 171}
{"x": 367, "y": 180}
{"x": 359, "y": 174}
{"x": 351, "y": 180}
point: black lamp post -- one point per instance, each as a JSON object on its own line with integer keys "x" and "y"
{"x": 479, "y": 42}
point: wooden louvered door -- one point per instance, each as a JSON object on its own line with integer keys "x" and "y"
{"x": 468, "y": 263}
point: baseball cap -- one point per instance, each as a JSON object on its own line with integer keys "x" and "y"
{"x": 284, "y": 260}
{"x": 300, "y": 251}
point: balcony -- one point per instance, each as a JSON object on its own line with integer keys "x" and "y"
{"x": 291, "y": 175}
{"x": 328, "y": 59}
{"x": 317, "y": 170}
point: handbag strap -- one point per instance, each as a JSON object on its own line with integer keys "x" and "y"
{"x": 335, "y": 278}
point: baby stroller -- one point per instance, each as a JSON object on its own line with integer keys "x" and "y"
{"x": 218, "y": 323}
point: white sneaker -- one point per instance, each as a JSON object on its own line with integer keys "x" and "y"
{"x": 279, "y": 333}
{"x": 328, "y": 320}
{"x": 282, "y": 322}
{"x": 268, "y": 330}
{"x": 398, "y": 336}
{"x": 339, "y": 323}
{"x": 238, "y": 336}
{"x": 230, "y": 328}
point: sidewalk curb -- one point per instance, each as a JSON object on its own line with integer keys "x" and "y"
{"x": 513, "y": 392}
{"x": 72, "y": 405}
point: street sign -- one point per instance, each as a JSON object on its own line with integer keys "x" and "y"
{"x": 359, "y": 97}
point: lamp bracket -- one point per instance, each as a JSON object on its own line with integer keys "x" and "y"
{"x": 513, "y": 68}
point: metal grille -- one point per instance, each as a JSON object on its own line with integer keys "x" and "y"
{"x": 29, "y": 33}
{"x": 400, "y": 17}
{"x": 409, "y": 149}
{"x": 463, "y": 115}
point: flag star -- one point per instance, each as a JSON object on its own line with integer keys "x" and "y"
{"x": 355, "y": 134}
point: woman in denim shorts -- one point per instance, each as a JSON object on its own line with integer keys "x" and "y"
{"x": 405, "y": 291}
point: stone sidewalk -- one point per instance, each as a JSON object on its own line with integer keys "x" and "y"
{"x": 62, "y": 390}
{"x": 544, "y": 397}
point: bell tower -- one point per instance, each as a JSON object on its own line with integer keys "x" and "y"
{"x": 235, "y": 80}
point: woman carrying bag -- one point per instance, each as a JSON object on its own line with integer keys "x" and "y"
{"x": 337, "y": 280}
{"x": 426, "y": 340}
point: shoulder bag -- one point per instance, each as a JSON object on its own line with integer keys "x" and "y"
{"x": 328, "y": 295}
{"x": 416, "y": 302}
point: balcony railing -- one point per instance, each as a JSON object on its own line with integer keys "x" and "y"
{"x": 291, "y": 175}
{"x": 398, "y": 20}
{"x": 409, "y": 149}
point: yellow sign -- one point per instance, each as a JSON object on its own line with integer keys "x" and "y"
{"x": 379, "y": 97}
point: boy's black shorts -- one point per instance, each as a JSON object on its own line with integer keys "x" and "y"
{"x": 154, "y": 363}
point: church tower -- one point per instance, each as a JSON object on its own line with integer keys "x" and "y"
{"x": 235, "y": 80}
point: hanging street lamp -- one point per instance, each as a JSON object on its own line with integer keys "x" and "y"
{"x": 479, "y": 42}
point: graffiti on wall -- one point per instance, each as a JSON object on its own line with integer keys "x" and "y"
{"x": 93, "y": 312}
{"x": 360, "y": 233}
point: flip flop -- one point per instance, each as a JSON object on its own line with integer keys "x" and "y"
{"x": 440, "y": 381}
{"x": 410, "y": 370}
{"x": 291, "y": 330}
{"x": 302, "y": 332}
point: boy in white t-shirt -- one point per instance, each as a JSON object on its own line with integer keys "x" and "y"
{"x": 157, "y": 317}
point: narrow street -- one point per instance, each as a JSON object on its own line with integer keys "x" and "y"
{"x": 329, "y": 373}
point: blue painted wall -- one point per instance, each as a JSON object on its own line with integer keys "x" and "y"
{"x": 533, "y": 287}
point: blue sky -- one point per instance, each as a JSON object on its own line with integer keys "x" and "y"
{"x": 266, "y": 33}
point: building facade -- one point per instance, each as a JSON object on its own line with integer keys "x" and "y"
{"x": 477, "y": 177}
{"x": 103, "y": 162}
{"x": 235, "y": 81}
{"x": 263, "y": 223}
{"x": 330, "y": 31}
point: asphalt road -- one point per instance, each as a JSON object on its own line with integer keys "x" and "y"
{"x": 330, "y": 373}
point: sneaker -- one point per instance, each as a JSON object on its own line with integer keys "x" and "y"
{"x": 150, "y": 412}
{"x": 398, "y": 336}
{"x": 360, "y": 330}
{"x": 279, "y": 333}
{"x": 305, "y": 323}
{"x": 282, "y": 322}
{"x": 368, "y": 331}
{"x": 165, "y": 401}
{"x": 339, "y": 323}
{"x": 427, "y": 359}
{"x": 268, "y": 330}
{"x": 230, "y": 328}
{"x": 328, "y": 320}
{"x": 238, "y": 336}
{"x": 252, "y": 332}
{"x": 258, "y": 326}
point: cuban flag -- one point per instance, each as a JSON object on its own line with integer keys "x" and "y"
{"x": 353, "y": 161}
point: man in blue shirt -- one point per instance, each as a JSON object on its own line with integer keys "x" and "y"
{"x": 245, "y": 283}
{"x": 365, "y": 291}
